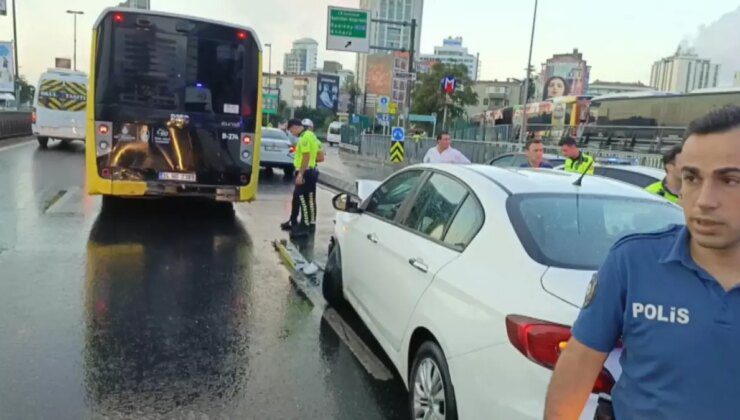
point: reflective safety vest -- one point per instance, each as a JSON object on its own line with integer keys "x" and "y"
{"x": 579, "y": 165}
{"x": 659, "y": 188}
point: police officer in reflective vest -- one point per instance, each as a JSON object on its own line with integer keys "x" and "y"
{"x": 576, "y": 161}
{"x": 672, "y": 297}
{"x": 306, "y": 152}
{"x": 669, "y": 186}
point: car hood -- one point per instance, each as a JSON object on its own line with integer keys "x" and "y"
{"x": 567, "y": 285}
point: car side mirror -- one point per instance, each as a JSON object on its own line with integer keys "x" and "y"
{"x": 343, "y": 202}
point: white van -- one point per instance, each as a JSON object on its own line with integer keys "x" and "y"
{"x": 333, "y": 134}
{"x": 59, "y": 106}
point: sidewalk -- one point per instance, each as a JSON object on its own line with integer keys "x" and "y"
{"x": 341, "y": 170}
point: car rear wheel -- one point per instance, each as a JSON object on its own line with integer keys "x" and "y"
{"x": 43, "y": 142}
{"x": 331, "y": 285}
{"x": 431, "y": 395}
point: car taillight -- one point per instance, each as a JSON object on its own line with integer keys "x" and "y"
{"x": 33, "y": 117}
{"x": 543, "y": 341}
{"x": 292, "y": 149}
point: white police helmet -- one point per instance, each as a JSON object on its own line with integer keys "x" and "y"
{"x": 307, "y": 123}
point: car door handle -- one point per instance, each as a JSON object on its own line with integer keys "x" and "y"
{"x": 418, "y": 264}
{"x": 372, "y": 238}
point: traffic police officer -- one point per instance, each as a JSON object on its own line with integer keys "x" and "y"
{"x": 576, "y": 161}
{"x": 306, "y": 152}
{"x": 670, "y": 185}
{"x": 673, "y": 297}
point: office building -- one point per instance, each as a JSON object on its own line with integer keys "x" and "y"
{"x": 683, "y": 72}
{"x": 453, "y": 53}
{"x": 302, "y": 58}
{"x": 599, "y": 88}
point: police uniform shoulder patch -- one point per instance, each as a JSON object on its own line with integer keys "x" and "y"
{"x": 590, "y": 290}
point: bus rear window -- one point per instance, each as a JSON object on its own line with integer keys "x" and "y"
{"x": 180, "y": 72}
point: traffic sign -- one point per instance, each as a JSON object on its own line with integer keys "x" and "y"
{"x": 449, "y": 83}
{"x": 393, "y": 108}
{"x": 348, "y": 30}
{"x": 270, "y": 103}
{"x": 383, "y": 104}
{"x": 383, "y": 119}
{"x": 398, "y": 134}
{"x": 397, "y": 151}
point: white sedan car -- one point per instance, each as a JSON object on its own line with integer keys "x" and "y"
{"x": 470, "y": 276}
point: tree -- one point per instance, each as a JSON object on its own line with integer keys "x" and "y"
{"x": 27, "y": 91}
{"x": 353, "y": 90}
{"x": 318, "y": 116}
{"x": 428, "y": 96}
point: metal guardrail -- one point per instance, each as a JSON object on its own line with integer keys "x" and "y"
{"x": 378, "y": 146}
{"x": 15, "y": 124}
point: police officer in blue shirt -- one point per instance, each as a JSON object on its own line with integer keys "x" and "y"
{"x": 673, "y": 297}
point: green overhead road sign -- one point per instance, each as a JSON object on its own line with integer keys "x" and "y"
{"x": 270, "y": 103}
{"x": 348, "y": 30}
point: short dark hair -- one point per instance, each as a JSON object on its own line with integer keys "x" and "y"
{"x": 570, "y": 141}
{"x": 531, "y": 142}
{"x": 442, "y": 133}
{"x": 716, "y": 121}
{"x": 669, "y": 156}
{"x": 294, "y": 122}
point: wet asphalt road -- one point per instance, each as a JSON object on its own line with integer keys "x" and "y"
{"x": 162, "y": 309}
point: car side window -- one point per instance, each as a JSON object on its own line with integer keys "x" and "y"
{"x": 519, "y": 160}
{"x": 466, "y": 224}
{"x": 435, "y": 205}
{"x": 389, "y": 197}
{"x": 503, "y": 161}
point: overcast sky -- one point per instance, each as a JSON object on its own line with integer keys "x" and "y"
{"x": 619, "y": 39}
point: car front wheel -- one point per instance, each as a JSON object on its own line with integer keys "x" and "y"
{"x": 431, "y": 395}
{"x": 331, "y": 284}
{"x": 43, "y": 142}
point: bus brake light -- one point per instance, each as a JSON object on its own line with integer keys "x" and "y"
{"x": 118, "y": 17}
{"x": 241, "y": 35}
{"x": 103, "y": 129}
{"x": 246, "y": 140}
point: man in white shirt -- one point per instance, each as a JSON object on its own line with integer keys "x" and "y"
{"x": 443, "y": 152}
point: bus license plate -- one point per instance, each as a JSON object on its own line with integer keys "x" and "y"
{"x": 177, "y": 176}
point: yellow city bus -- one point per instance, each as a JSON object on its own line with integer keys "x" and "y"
{"x": 174, "y": 107}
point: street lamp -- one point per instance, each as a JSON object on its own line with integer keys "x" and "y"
{"x": 523, "y": 133}
{"x": 269, "y": 71}
{"x": 75, "y": 13}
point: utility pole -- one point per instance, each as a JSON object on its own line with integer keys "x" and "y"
{"x": 15, "y": 48}
{"x": 409, "y": 80}
{"x": 75, "y": 13}
{"x": 523, "y": 133}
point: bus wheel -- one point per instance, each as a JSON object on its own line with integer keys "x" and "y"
{"x": 43, "y": 142}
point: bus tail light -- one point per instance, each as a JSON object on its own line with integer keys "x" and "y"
{"x": 103, "y": 129}
{"x": 246, "y": 140}
{"x": 118, "y": 17}
{"x": 105, "y": 173}
{"x": 543, "y": 341}
{"x": 243, "y": 178}
{"x": 242, "y": 35}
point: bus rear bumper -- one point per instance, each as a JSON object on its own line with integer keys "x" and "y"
{"x": 157, "y": 189}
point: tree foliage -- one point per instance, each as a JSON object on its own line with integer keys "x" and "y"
{"x": 428, "y": 96}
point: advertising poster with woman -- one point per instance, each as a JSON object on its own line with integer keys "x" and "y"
{"x": 564, "y": 78}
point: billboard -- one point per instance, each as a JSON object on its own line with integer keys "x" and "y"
{"x": 7, "y": 67}
{"x": 564, "y": 76}
{"x": 379, "y": 79}
{"x": 327, "y": 92}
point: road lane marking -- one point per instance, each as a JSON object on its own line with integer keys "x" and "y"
{"x": 372, "y": 364}
{"x": 15, "y": 146}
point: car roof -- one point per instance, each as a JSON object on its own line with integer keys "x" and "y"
{"x": 644, "y": 170}
{"x": 528, "y": 180}
{"x": 548, "y": 156}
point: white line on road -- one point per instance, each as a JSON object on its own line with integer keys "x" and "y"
{"x": 15, "y": 146}
{"x": 364, "y": 355}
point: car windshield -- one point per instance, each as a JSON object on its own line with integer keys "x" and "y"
{"x": 576, "y": 231}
